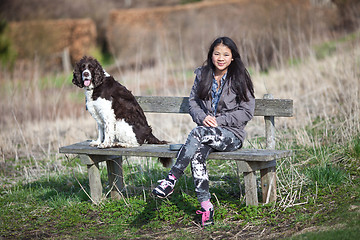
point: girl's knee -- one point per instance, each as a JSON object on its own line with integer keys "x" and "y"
{"x": 198, "y": 131}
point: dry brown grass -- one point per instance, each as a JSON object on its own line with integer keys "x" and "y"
{"x": 267, "y": 32}
{"x": 324, "y": 90}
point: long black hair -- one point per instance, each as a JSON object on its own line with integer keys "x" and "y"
{"x": 237, "y": 73}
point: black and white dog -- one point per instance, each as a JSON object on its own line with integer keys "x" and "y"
{"x": 120, "y": 119}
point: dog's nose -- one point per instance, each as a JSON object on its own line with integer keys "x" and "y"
{"x": 86, "y": 74}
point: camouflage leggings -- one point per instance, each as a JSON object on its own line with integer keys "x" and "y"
{"x": 199, "y": 144}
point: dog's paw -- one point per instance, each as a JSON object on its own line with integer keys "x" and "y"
{"x": 125, "y": 145}
{"x": 94, "y": 143}
{"x": 102, "y": 145}
{"x": 105, "y": 145}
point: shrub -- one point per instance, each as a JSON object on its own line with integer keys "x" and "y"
{"x": 7, "y": 53}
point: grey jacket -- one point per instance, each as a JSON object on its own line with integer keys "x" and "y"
{"x": 230, "y": 115}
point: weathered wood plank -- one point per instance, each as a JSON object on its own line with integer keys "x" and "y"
{"x": 263, "y": 107}
{"x": 85, "y": 159}
{"x": 164, "y": 104}
{"x": 269, "y": 128}
{"x": 94, "y": 179}
{"x": 151, "y": 150}
{"x": 251, "y": 195}
{"x": 274, "y": 107}
{"x": 268, "y": 184}
{"x": 250, "y": 166}
{"x": 115, "y": 176}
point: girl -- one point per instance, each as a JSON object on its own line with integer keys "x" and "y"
{"x": 221, "y": 103}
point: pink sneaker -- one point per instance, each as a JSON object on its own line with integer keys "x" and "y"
{"x": 207, "y": 217}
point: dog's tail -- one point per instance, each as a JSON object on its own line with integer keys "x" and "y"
{"x": 166, "y": 162}
{"x": 151, "y": 139}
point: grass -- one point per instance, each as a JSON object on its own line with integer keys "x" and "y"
{"x": 326, "y": 175}
{"x": 345, "y": 221}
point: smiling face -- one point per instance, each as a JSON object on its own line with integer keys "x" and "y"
{"x": 221, "y": 58}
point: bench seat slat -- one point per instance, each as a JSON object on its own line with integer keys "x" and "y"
{"x": 263, "y": 107}
{"x": 150, "y": 150}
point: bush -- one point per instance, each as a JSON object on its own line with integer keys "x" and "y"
{"x": 7, "y": 53}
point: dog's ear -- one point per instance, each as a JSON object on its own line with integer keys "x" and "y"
{"x": 77, "y": 80}
{"x": 99, "y": 74}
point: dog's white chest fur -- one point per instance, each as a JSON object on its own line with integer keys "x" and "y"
{"x": 112, "y": 132}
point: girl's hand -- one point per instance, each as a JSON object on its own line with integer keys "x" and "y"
{"x": 210, "y": 121}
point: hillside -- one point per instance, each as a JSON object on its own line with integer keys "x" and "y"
{"x": 131, "y": 30}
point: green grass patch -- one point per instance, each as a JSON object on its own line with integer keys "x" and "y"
{"x": 326, "y": 49}
{"x": 353, "y": 149}
{"x": 55, "y": 81}
{"x": 325, "y": 175}
{"x": 8, "y": 53}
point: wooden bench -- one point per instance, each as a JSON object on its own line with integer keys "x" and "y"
{"x": 248, "y": 160}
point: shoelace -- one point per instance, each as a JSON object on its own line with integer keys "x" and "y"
{"x": 164, "y": 183}
{"x": 205, "y": 215}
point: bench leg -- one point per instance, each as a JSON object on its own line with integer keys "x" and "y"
{"x": 268, "y": 175}
{"x": 268, "y": 184}
{"x": 96, "y": 189}
{"x": 115, "y": 175}
{"x": 95, "y": 182}
{"x": 250, "y": 188}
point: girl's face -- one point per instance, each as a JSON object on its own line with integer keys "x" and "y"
{"x": 221, "y": 58}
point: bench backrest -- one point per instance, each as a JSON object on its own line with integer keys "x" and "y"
{"x": 267, "y": 107}
{"x": 263, "y": 107}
